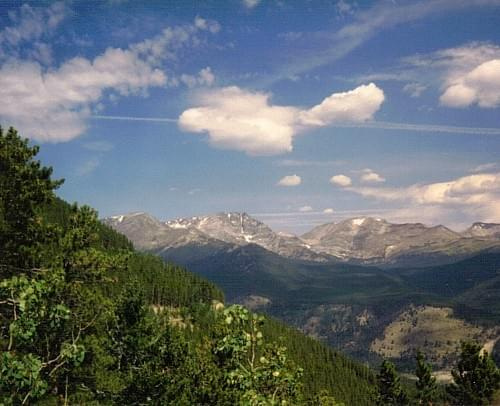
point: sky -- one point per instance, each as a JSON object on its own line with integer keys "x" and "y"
{"x": 296, "y": 112}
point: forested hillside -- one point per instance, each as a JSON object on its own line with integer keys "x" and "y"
{"x": 86, "y": 320}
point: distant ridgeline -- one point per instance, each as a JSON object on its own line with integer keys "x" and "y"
{"x": 85, "y": 319}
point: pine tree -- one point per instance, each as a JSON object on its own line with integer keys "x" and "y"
{"x": 390, "y": 391}
{"x": 426, "y": 384}
{"x": 476, "y": 378}
{"x": 25, "y": 185}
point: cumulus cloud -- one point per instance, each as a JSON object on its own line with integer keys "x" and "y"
{"x": 290, "y": 180}
{"x": 341, "y": 180}
{"x": 305, "y": 209}
{"x": 369, "y": 176}
{"x": 328, "y": 211}
{"x": 54, "y": 104}
{"x": 359, "y": 104}
{"x": 479, "y": 86}
{"x": 247, "y": 121}
{"x": 468, "y": 74}
{"x": 477, "y": 194}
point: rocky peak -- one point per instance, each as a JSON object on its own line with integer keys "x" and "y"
{"x": 483, "y": 230}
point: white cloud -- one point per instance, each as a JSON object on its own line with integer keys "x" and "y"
{"x": 341, "y": 180}
{"x": 485, "y": 167}
{"x": 208, "y": 25}
{"x": 54, "y": 104}
{"x": 477, "y": 195}
{"x": 205, "y": 77}
{"x": 305, "y": 209}
{"x": 328, "y": 211}
{"x": 242, "y": 120}
{"x": 290, "y": 180}
{"x": 467, "y": 74}
{"x": 359, "y": 104}
{"x": 251, "y": 3}
{"x": 30, "y": 24}
{"x": 366, "y": 23}
{"x": 414, "y": 89}
{"x": 479, "y": 86}
{"x": 246, "y": 121}
{"x": 369, "y": 176}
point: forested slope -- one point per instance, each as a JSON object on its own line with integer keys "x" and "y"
{"x": 86, "y": 320}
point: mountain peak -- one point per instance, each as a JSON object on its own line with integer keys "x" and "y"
{"x": 483, "y": 230}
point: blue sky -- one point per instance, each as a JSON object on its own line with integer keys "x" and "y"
{"x": 299, "y": 113}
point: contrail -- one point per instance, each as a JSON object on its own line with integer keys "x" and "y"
{"x": 127, "y": 118}
{"x": 383, "y": 125}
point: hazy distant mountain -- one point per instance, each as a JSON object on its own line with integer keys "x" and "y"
{"x": 376, "y": 241}
{"x": 363, "y": 240}
{"x": 150, "y": 234}
{"x": 233, "y": 229}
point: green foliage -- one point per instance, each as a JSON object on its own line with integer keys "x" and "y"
{"x": 476, "y": 377}
{"x": 85, "y": 320}
{"x": 259, "y": 374}
{"x": 59, "y": 212}
{"x": 426, "y": 383}
{"x": 24, "y": 185}
{"x": 390, "y": 391}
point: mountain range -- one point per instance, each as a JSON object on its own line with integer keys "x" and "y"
{"x": 362, "y": 240}
{"x": 368, "y": 287}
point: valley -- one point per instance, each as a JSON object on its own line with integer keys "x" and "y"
{"x": 368, "y": 287}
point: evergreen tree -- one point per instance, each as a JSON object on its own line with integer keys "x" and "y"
{"x": 476, "y": 377}
{"x": 390, "y": 391}
{"x": 426, "y": 383}
{"x": 25, "y": 185}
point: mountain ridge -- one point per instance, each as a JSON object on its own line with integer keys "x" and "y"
{"x": 359, "y": 240}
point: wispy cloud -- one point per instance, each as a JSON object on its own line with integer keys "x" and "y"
{"x": 485, "y": 167}
{"x": 367, "y": 24}
{"x": 87, "y": 167}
